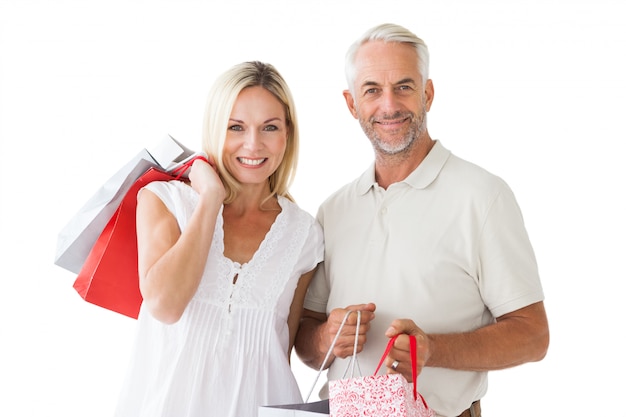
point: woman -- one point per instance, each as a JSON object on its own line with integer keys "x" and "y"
{"x": 224, "y": 263}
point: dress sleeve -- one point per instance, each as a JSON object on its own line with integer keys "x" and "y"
{"x": 161, "y": 189}
{"x": 179, "y": 198}
{"x": 313, "y": 249}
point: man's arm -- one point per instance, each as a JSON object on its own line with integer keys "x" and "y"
{"x": 317, "y": 331}
{"x": 516, "y": 338}
{"x": 309, "y": 342}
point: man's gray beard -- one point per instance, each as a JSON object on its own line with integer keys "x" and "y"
{"x": 416, "y": 128}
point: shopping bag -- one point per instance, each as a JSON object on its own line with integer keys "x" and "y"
{"x": 312, "y": 409}
{"x": 77, "y": 238}
{"x": 378, "y": 395}
{"x": 109, "y": 276}
{"x": 309, "y": 409}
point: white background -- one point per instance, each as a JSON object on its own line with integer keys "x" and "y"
{"x": 532, "y": 90}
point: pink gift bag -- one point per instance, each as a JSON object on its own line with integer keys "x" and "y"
{"x": 378, "y": 395}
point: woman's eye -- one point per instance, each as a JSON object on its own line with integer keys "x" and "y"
{"x": 236, "y": 128}
{"x": 270, "y": 128}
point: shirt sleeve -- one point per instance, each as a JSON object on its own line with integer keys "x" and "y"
{"x": 319, "y": 290}
{"x": 508, "y": 272}
{"x": 317, "y": 294}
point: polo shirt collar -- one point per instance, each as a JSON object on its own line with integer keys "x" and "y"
{"x": 420, "y": 178}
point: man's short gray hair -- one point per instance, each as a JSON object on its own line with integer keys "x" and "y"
{"x": 387, "y": 32}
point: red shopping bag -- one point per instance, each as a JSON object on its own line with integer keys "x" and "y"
{"x": 379, "y": 395}
{"x": 109, "y": 277}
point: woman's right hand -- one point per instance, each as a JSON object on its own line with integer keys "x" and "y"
{"x": 205, "y": 179}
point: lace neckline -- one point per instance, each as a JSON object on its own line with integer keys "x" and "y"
{"x": 264, "y": 243}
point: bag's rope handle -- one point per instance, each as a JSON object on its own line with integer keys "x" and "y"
{"x": 332, "y": 346}
{"x": 181, "y": 169}
{"x": 353, "y": 358}
{"x": 413, "y": 352}
{"x": 413, "y": 344}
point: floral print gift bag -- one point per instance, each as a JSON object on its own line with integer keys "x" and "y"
{"x": 378, "y": 395}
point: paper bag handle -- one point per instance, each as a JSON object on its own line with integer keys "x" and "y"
{"x": 332, "y": 346}
{"x": 413, "y": 344}
{"x": 180, "y": 170}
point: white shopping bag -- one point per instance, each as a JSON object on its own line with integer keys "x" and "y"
{"x": 76, "y": 239}
{"x": 313, "y": 409}
{"x": 308, "y": 409}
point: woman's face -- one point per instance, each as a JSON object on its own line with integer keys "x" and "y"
{"x": 256, "y": 137}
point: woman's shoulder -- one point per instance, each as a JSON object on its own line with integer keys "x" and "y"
{"x": 172, "y": 187}
{"x": 174, "y": 194}
{"x": 292, "y": 207}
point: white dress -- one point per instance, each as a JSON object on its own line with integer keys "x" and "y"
{"x": 228, "y": 354}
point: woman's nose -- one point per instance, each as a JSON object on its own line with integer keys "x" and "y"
{"x": 252, "y": 140}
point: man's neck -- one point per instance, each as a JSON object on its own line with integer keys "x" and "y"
{"x": 390, "y": 169}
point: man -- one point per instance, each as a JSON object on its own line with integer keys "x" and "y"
{"x": 423, "y": 243}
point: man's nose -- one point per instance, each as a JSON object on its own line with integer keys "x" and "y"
{"x": 389, "y": 101}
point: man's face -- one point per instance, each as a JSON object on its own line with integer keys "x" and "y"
{"x": 390, "y": 99}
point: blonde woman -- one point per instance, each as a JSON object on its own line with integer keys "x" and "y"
{"x": 224, "y": 263}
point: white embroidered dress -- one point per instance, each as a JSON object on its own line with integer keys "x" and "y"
{"x": 227, "y": 354}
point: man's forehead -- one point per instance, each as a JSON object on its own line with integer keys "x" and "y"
{"x": 379, "y": 62}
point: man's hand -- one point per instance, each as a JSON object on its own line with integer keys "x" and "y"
{"x": 399, "y": 358}
{"x": 344, "y": 346}
{"x": 317, "y": 332}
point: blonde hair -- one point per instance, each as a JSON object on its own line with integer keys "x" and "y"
{"x": 387, "y": 32}
{"x": 220, "y": 102}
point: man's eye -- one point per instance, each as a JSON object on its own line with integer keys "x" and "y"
{"x": 371, "y": 91}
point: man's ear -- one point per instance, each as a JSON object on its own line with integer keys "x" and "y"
{"x": 350, "y": 103}
{"x": 429, "y": 90}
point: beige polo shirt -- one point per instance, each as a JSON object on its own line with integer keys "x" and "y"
{"x": 446, "y": 247}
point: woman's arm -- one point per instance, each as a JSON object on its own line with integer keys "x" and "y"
{"x": 171, "y": 263}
